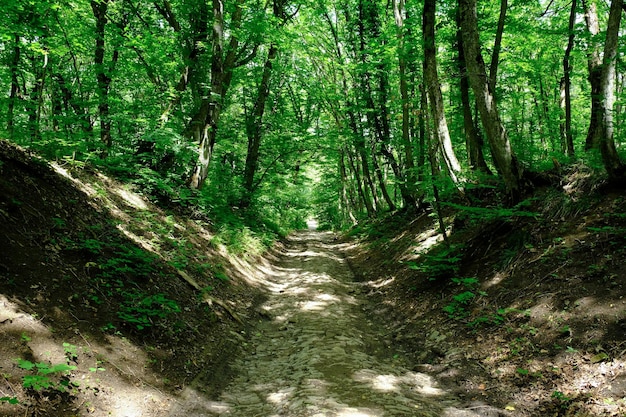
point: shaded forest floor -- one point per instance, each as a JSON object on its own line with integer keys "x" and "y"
{"x": 525, "y": 310}
{"x": 111, "y": 306}
{"x": 141, "y": 303}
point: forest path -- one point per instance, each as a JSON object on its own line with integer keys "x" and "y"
{"x": 318, "y": 354}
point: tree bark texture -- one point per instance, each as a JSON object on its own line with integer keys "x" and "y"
{"x": 503, "y": 157}
{"x": 99, "y": 8}
{"x": 473, "y": 138}
{"x": 204, "y": 125}
{"x": 440, "y": 124}
{"x": 594, "y": 65}
{"x": 254, "y": 126}
{"x": 497, "y": 46}
{"x": 398, "y": 9}
{"x": 15, "y": 86}
{"x": 604, "y": 134}
{"x": 377, "y": 111}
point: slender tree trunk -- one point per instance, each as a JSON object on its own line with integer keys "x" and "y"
{"x": 568, "y": 136}
{"x": 422, "y": 128}
{"x": 15, "y": 86}
{"x": 398, "y": 9}
{"x": 204, "y": 125}
{"x": 435, "y": 170}
{"x": 503, "y": 156}
{"x": 193, "y": 49}
{"x": 604, "y": 134}
{"x": 440, "y": 125}
{"x": 594, "y": 65}
{"x": 357, "y": 131}
{"x": 99, "y": 8}
{"x": 347, "y": 194}
{"x": 382, "y": 183}
{"x": 473, "y": 138}
{"x": 497, "y": 46}
{"x": 254, "y": 124}
{"x": 367, "y": 202}
{"x": 377, "y": 112}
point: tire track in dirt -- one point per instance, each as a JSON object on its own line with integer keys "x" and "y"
{"x": 319, "y": 355}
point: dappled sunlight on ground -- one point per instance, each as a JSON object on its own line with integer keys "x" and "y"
{"x": 423, "y": 242}
{"x": 317, "y": 354}
{"x": 101, "y": 366}
{"x": 422, "y": 383}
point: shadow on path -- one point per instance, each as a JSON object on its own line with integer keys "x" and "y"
{"x": 318, "y": 354}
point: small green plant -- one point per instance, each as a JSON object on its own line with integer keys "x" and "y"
{"x": 561, "y": 398}
{"x": 10, "y": 400}
{"x": 485, "y": 214}
{"x": 58, "y": 223}
{"x": 109, "y": 327}
{"x": 497, "y": 318}
{"x": 97, "y": 368}
{"x": 41, "y": 378}
{"x": 71, "y": 352}
{"x": 457, "y": 309}
{"x": 140, "y": 310}
{"x": 522, "y": 371}
{"x": 470, "y": 283}
{"x": 440, "y": 262}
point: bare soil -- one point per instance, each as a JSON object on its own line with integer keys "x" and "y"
{"x": 317, "y": 353}
{"x": 157, "y": 319}
{"x": 544, "y": 333}
{"x": 87, "y": 279}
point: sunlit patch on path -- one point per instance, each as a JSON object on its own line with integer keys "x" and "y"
{"x": 319, "y": 355}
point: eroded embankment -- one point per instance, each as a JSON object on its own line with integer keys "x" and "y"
{"x": 317, "y": 354}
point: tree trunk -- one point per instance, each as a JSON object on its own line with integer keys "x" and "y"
{"x": 503, "y": 156}
{"x": 376, "y": 111}
{"x": 495, "y": 56}
{"x": 347, "y": 194}
{"x": 568, "y": 136}
{"x": 382, "y": 184}
{"x": 398, "y": 9}
{"x": 360, "y": 188}
{"x": 594, "y": 65}
{"x": 357, "y": 131}
{"x": 440, "y": 125}
{"x": 604, "y": 133}
{"x": 203, "y": 126}
{"x": 254, "y": 123}
{"x": 15, "y": 86}
{"x": 473, "y": 138}
{"x": 192, "y": 49}
{"x": 35, "y": 102}
{"x": 435, "y": 170}
{"x": 99, "y": 8}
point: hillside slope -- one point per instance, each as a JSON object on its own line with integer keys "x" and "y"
{"x": 525, "y": 309}
{"x": 107, "y": 303}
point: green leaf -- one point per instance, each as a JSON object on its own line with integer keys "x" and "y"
{"x": 28, "y": 365}
{"x": 10, "y": 400}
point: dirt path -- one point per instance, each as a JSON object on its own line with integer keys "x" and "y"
{"x": 318, "y": 354}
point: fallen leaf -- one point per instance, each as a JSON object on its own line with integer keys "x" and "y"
{"x": 600, "y": 357}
